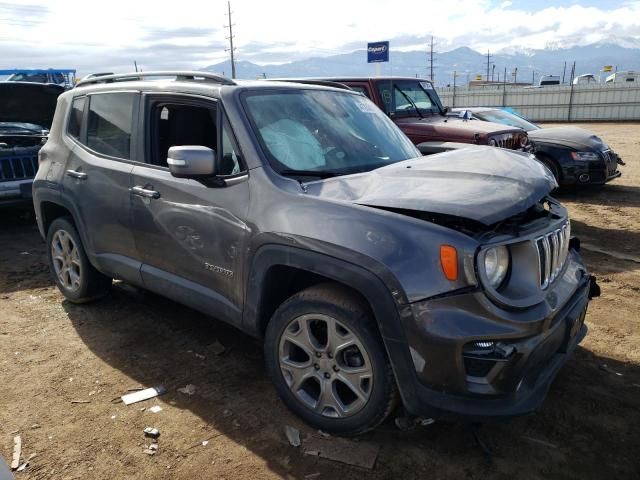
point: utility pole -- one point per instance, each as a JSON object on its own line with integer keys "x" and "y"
{"x": 135, "y": 65}
{"x": 504, "y": 88}
{"x": 230, "y": 38}
{"x": 515, "y": 75}
{"x": 455, "y": 74}
{"x": 573, "y": 71}
{"x": 431, "y": 66}
{"x": 564, "y": 71}
{"x": 493, "y": 71}
{"x": 488, "y": 64}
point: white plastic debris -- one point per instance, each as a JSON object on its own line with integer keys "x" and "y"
{"x": 146, "y": 394}
{"x": 155, "y": 409}
{"x": 26, "y": 463}
{"x": 189, "y": 389}
{"x": 293, "y": 435}
{"x": 17, "y": 451}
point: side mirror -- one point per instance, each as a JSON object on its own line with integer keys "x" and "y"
{"x": 191, "y": 161}
{"x": 446, "y": 110}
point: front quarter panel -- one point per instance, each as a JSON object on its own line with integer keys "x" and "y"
{"x": 401, "y": 250}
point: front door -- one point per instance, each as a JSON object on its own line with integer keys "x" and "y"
{"x": 191, "y": 233}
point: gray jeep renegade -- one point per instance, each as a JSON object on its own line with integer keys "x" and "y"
{"x": 303, "y": 216}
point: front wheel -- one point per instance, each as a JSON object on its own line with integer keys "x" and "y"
{"x": 552, "y": 166}
{"x": 327, "y": 361}
{"x": 76, "y": 278}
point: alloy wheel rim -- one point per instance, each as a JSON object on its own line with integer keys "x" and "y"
{"x": 325, "y": 366}
{"x": 66, "y": 260}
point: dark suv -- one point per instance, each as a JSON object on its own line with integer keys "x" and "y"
{"x": 26, "y": 113}
{"x": 303, "y": 216}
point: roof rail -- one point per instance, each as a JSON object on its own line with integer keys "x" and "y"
{"x": 179, "y": 75}
{"x": 312, "y": 81}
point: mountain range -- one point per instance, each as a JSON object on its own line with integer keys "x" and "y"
{"x": 622, "y": 53}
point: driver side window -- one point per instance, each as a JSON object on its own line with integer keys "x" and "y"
{"x": 181, "y": 124}
{"x": 176, "y": 125}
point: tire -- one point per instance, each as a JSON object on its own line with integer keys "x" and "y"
{"x": 349, "y": 365}
{"x": 74, "y": 275}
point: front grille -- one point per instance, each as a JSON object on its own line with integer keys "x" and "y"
{"x": 553, "y": 249}
{"x": 507, "y": 140}
{"x": 18, "y": 167}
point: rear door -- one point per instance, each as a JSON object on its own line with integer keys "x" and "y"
{"x": 98, "y": 177}
{"x": 191, "y": 233}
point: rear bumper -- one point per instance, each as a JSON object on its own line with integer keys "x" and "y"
{"x": 516, "y": 387}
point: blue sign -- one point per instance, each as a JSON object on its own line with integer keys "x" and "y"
{"x": 377, "y": 52}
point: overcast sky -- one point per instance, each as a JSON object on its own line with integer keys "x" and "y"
{"x": 108, "y": 35}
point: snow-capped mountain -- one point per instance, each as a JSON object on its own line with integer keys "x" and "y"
{"x": 621, "y": 52}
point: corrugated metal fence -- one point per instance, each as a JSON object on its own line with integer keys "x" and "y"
{"x": 608, "y": 102}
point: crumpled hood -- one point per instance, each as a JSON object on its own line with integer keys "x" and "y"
{"x": 29, "y": 102}
{"x": 574, "y": 137}
{"x": 480, "y": 183}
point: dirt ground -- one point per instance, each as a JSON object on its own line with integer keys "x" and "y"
{"x": 53, "y": 353}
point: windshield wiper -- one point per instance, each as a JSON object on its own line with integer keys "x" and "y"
{"x": 413, "y": 104}
{"x": 309, "y": 173}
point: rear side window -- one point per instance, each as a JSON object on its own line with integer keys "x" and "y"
{"x": 110, "y": 124}
{"x": 75, "y": 117}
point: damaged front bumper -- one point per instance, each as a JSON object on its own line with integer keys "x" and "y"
{"x": 474, "y": 361}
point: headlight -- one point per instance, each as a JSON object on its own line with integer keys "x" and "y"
{"x": 496, "y": 264}
{"x": 585, "y": 156}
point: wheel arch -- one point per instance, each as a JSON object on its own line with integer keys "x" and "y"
{"x": 49, "y": 207}
{"x": 272, "y": 263}
{"x": 549, "y": 159}
{"x": 277, "y": 272}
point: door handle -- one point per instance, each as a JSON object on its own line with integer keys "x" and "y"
{"x": 144, "y": 192}
{"x": 76, "y": 174}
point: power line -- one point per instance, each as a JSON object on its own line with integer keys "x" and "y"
{"x": 230, "y": 38}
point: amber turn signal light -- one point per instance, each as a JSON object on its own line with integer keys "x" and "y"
{"x": 449, "y": 262}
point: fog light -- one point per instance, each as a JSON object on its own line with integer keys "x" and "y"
{"x": 584, "y": 178}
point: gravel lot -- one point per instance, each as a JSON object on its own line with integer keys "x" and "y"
{"x": 53, "y": 353}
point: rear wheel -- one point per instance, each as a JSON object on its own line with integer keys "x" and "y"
{"x": 76, "y": 278}
{"x": 327, "y": 361}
